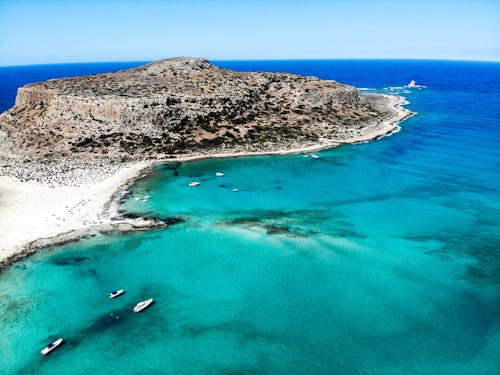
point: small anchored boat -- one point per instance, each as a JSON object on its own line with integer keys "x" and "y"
{"x": 193, "y": 183}
{"x": 51, "y": 346}
{"x": 116, "y": 293}
{"x": 219, "y": 174}
{"x": 143, "y": 305}
{"x": 311, "y": 155}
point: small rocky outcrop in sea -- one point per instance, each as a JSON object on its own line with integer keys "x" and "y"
{"x": 183, "y": 105}
{"x": 412, "y": 84}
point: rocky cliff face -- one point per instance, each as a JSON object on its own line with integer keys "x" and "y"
{"x": 181, "y": 105}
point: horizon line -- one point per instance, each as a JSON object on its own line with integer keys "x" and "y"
{"x": 256, "y": 59}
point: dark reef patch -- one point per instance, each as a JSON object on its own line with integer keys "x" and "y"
{"x": 272, "y": 229}
{"x": 169, "y": 166}
{"x": 16, "y": 308}
{"x": 105, "y": 322}
{"x": 348, "y": 233}
{"x": 297, "y": 223}
{"x": 68, "y": 261}
{"x": 244, "y": 331}
{"x": 481, "y": 247}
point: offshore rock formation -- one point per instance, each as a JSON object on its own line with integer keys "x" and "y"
{"x": 183, "y": 105}
{"x": 412, "y": 84}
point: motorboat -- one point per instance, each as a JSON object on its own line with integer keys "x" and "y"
{"x": 116, "y": 293}
{"x": 235, "y": 190}
{"x": 51, "y": 346}
{"x": 311, "y": 155}
{"x": 143, "y": 305}
{"x": 193, "y": 183}
{"x": 219, "y": 174}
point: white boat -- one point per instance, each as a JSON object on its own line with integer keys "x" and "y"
{"x": 51, "y": 346}
{"x": 314, "y": 156}
{"x": 219, "y": 174}
{"x": 235, "y": 190}
{"x": 116, "y": 293}
{"x": 143, "y": 305}
{"x": 193, "y": 183}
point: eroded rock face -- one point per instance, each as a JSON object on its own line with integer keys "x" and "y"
{"x": 412, "y": 84}
{"x": 179, "y": 105}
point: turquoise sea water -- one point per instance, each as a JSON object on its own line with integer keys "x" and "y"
{"x": 380, "y": 258}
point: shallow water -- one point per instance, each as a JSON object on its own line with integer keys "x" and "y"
{"x": 379, "y": 258}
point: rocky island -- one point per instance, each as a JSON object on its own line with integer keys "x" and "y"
{"x": 68, "y": 144}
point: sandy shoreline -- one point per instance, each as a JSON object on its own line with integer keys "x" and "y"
{"x": 30, "y": 211}
{"x": 34, "y": 215}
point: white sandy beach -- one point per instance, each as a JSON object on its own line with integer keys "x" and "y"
{"x": 30, "y": 211}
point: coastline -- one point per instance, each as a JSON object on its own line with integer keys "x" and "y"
{"x": 35, "y": 215}
{"x": 31, "y": 212}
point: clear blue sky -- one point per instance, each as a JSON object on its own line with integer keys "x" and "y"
{"x": 51, "y": 31}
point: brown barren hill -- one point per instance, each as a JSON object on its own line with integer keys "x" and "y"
{"x": 185, "y": 105}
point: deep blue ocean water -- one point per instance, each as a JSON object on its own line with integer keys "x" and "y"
{"x": 379, "y": 258}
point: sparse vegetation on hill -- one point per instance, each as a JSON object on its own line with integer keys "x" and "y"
{"x": 183, "y": 105}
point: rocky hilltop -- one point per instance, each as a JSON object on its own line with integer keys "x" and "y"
{"x": 183, "y": 105}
